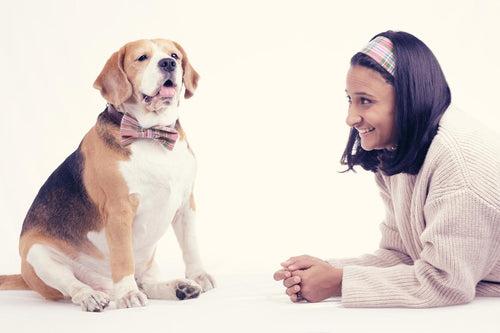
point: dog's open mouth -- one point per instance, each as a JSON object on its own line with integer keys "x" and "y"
{"x": 166, "y": 92}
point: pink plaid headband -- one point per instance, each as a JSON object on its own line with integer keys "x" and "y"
{"x": 380, "y": 50}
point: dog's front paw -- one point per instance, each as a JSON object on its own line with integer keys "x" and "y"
{"x": 205, "y": 280}
{"x": 187, "y": 289}
{"x": 92, "y": 300}
{"x": 132, "y": 299}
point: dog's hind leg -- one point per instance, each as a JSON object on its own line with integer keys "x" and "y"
{"x": 48, "y": 272}
{"x": 150, "y": 283}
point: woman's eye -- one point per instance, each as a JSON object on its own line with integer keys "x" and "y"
{"x": 348, "y": 99}
{"x": 175, "y": 56}
{"x": 142, "y": 57}
{"x": 364, "y": 100}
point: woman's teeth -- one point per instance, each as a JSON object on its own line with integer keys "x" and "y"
{"x": 365, "y": 130}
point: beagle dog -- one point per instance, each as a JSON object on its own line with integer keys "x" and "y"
{"x": 92, "y": 230}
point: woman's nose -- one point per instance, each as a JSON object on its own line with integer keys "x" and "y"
{"x": 352, "y": 119}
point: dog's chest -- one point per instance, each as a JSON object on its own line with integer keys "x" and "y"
{"x": 163, "y": 181}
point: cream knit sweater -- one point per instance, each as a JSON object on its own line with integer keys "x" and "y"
{"x": 441, "y": 235}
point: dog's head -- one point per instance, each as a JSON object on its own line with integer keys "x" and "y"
{"x": 147, "y": 76}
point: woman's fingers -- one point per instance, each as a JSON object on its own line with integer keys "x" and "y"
{"x": 303, "y": 262}
{"x": 293, "y": 290}
{"x": 297, "y": 297}
{"x": 281, "y": 274}
{"x": 300, "y": 262}
{"x": 291, "y": 260}
{"x": 291, "y": 281}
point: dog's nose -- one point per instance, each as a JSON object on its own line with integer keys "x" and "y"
{"x": 167, "y": 64}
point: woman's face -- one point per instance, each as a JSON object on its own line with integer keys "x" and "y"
{"x": 371, "y": 108}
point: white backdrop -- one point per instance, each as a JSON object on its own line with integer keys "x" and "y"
{"x": 267, "y": 122}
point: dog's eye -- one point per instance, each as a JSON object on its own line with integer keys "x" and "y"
{"x": 175, "y": 56}
{"x": 142, "y": 57}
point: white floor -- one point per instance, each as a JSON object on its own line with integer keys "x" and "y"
{"x": 242, "y": 303}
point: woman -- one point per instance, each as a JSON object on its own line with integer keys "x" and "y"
{"x": 438, "y": 173}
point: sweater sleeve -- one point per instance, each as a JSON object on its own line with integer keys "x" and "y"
{"x": 391, "y": 250}
{"x": 460, "y": 245}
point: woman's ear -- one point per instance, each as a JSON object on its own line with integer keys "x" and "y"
{"x": 190, "y": 77}
{"x": 112, "y": 82}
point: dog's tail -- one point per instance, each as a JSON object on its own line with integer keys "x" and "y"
{"x": 13, "y": 282}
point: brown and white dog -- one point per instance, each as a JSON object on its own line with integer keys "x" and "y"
{"x": 91, "y": 232}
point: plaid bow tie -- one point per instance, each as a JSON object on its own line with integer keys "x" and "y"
{"x": 130, "y": 131}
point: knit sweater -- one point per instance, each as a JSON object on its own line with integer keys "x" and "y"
{"x": 441, "y": 234}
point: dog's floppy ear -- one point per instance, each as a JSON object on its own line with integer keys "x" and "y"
{"x": 190, "y": 76}
{"x": 113, "y": 82}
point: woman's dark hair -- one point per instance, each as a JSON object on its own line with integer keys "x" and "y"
{"x": 422, "y": 96}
